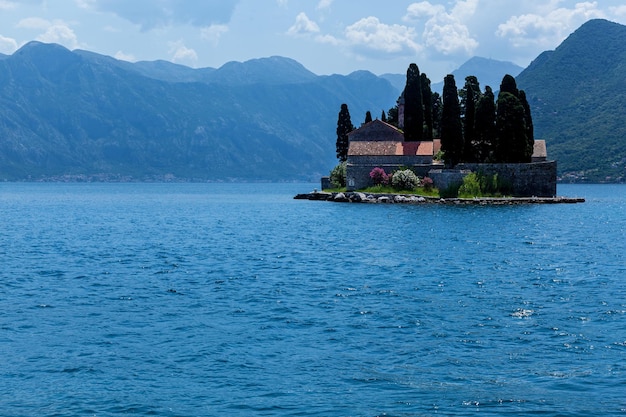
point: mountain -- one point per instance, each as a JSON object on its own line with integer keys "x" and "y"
{"x": 577, "y": 95}
{"x": 79, "y": 114}
{"x": 488, "y": 71}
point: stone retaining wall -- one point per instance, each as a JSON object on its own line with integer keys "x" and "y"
{"x": 526, "y": 180}
{"x": 359, "y": 168}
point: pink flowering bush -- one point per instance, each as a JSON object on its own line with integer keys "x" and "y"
{"x": 427, "y": 183}
{"x": 379, "y": 176}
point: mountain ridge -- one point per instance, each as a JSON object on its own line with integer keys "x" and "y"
{"x": 65, "y": 113}
{"x": 79, "y": 114}
{"x": 577, "y": 94}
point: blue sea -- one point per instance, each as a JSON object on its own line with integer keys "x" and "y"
{"x": 237, "y": 300}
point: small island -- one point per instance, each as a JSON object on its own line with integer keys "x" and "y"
{"x": 462, "y": 148}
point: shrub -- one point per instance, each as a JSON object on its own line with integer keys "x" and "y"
{"x": 338, "y": 175}
{"x": 427, "y": 183}
{"x": 471, "y": 186}
{"x": 379, "y": 176}
{"x": 405, "y": 180}
{"x": 451, "y": 191}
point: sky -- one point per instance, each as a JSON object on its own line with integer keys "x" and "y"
{"x": 326, "y": 36}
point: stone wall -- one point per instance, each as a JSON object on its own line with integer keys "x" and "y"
{"x": 526, "y": 180}
{"x": 359, "y": 167}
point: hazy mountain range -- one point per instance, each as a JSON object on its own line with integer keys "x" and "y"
{"x": 79, "y": 115}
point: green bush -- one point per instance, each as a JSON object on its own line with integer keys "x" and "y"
{"x": 405, "y": 180}
{"x": 471, "y": 186}
{"x": 338, "y": 175}
{"x": 481, "y": 185}
{"x": 452, "y": 191}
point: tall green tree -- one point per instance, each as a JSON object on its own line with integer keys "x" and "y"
{"x": 485, "y": 126}
{"x": 413, "y": 110}
{"x": 383, "y": 117}
{"x": 509, "y": 85}
{"x": 514, "y": 136}
{"x": 437, "y": 106}
{"x": 451, "y": 128}
{"x": 368, "y": 116}
{"x": 511, "y": 129}
{"x": 427, "y": 100}
{"x": 470, "y": 94}
{"x": 530, "y": 130}
{"x": 344, "y": 126}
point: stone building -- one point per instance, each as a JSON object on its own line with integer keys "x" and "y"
{"x": 379, "y": 144}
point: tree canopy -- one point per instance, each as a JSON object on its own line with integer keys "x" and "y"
{"x": 344, "y": 126}
{"x": 413, "y": 108}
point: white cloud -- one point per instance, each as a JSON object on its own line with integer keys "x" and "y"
{"x": 546, "y": 30}
{"x": 324, "y": 4}
{"x": 425, "y": 9}
{"x": 213, "y": 33}
{"x": 150, "y": 14}
{"x": 53, "y": 32}
{"x": 7, "y": 45}
{"x": 181, "y": 54}
{"x": 36, "y": 23}
{"x": 370, "y": 35}
{"x": 61, "y": 34}
{"x": 618, "y": 10}
{"x": 445, "y": 32}
{"x": 303, "y": 26}
{"x": 7, "y": 5}
{"x": 125, "y": 57}
{"x": 85, "y": 4}
{"x": 328, "y": 39}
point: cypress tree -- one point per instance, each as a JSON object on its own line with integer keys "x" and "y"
{"x": 508, "y": 85}
{"x": 511, "y": 129}
{"x": 344, "y": 126}
{"x": 485, "y": 126}
{"x": 513, "y": 124}
{"x": 413, "y": 111}
{"x": 530, "y": 130}
{"x": 427, "y": 100}
{"x": 383, "y": 117}
{"x": 437, "y": 106}
{"x": 451, "y": 129}
{"x": 368, "y": 116}
{"x": 470, "y": 94}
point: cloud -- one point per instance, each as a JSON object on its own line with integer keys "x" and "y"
{"x": 53, "y": 31}
{"x": 546, "y": 30}
{"x": 181, "y": 54}
{"x": 7, "y": 5}
{"x": 369, "y": 35}
{"x": 7, "y": 45}
{"x": 303, "y": 26}
{"x": 35, "y": 23}
{"x": 213, "y": 33}
{"x": 618, "y": 10}
{"x": 125, "y": 57}
{"x": 324, "y": 4}
{"x": 445, "y": 32}
{"x": 150, "y": 14}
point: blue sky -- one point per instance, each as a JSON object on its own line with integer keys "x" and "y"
{"x": 326, "y": 36}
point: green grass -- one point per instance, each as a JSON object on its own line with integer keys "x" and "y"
{"x": 387, "y": 189}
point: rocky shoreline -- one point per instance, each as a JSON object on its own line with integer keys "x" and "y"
{"x": 357, "y": 197}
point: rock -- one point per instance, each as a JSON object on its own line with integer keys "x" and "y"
{"x": 384, "y": 199}
{"x": 358, "y": 197}
{"x": 340, "y": 197}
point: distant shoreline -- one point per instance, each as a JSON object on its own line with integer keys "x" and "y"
{"x": 369, "y": 198}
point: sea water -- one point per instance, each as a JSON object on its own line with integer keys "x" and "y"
{"x": 235, "y": 299}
